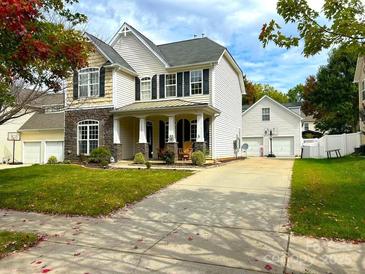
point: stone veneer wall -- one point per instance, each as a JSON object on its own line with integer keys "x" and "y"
{"x": 72, "y": 117}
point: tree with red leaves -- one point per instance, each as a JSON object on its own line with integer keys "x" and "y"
{"x": 36, "y": 52}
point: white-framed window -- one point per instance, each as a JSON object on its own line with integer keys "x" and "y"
{"x": 89, "y": 82}
{"x": 265, "y": 114}
{"x": 87, "y": 136}
{"x": 196, "y": 82}
{"x": 170, "y": 85}
{"x": 193, "y": 130}
{"x": 306, "y": 126}
{"x": 146, "y": 93}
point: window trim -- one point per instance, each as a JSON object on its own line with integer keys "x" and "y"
{"x": 80, "y": 72}
{"x": 96, "y": 122}
{"x": 191, "y": 83}
{"x": 140, "y": 87}
{"x": 265, "y": 115}
{"x": 166, "y": 85}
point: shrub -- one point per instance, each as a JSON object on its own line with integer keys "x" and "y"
{"x": 198, "y": 158}
{"x": 148, "y": 165}
{"x": 139, "y": 158}
{"x": 67, "y": 162}
{"x": 52, "y": 160}
{"x": 169, "y": 157}
{"x": 104, "y": 163}
{"x": 100, "y": 154}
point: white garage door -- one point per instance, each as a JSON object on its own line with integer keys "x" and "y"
{"x": 283, "y": 146}
{"x": 32, "y": 152}
{"x": 54, "y": 149}
{"x": 254, "y": 144}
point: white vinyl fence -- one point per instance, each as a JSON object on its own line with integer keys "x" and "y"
{"x": 317, "y": 148}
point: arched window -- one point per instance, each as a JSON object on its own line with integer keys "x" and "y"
{"x": 89, "y": 82}
{"x": 87, "y": 136}
{"x": 146, "y": 88}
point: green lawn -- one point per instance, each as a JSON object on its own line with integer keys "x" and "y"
{"x": 328, "y": 198}
{"x": 12, "y": 241}
{"x": 75, "y": 190}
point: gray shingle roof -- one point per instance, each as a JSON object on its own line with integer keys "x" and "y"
{"x": 153, "y": 105}
{"x": 44, "y": 121}
{"x": 109, "y": 52}
{"x": 198, "y": 50}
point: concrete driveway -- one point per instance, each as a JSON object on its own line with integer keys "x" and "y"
{"x": 230, "y": 219}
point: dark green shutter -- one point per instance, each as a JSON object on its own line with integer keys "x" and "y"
{"x": 206, "y": 81}
{"x": 75, "y": 84}
{"x": 138, "y": 89}
{"x": 162, "y": 134}
{"x": 102, "y": 82}
{"x": 186, "y": 83}
{"x": 154, "y": 87}
{"x": 179, "y": 84}
{"x": 162, "y": 86}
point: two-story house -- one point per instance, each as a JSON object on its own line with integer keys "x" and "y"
{"x": 136, "y": 96}
{"x": 360, "y": 79}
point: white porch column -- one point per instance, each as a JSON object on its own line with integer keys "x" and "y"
{"x": 200, "y": 127}
{"x": 116, "y": 131}
{"x": 142, "y": 131}
{"x": 172, "y": 137}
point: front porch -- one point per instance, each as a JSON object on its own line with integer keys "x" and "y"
{"x": 153, "y": 130}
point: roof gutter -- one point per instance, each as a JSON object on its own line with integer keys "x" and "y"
{"x": 115, "y": 65}
{"x": 209, "y": 63}
{"x": 167, "y": 109}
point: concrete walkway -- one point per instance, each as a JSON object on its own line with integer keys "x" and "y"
{"x": 230, "y": 219}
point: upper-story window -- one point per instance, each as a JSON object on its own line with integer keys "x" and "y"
{"x": 306, "y": 126}
{"x": 196, "y": 82}
{"x": 170, "y": 85}
{"x": 88, "y": 136}
{"x": 89, "y": 82}
{"x": 146, "y": 88}
{"x": 265, "y": 114}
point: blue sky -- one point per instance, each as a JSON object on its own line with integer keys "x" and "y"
{"x": 233, "y": 23}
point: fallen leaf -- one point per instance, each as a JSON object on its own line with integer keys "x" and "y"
{"x": 38, "y": 262}
{"x": 268, "y": 267}
{"x": 77, "y": 254}
{"x": 46, "y": 270}
{"x": 190, "y": 238}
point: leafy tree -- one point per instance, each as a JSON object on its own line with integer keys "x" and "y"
{"x": 343, "y": 25}
{"x": 37, "y": 51}
{"x": 309, "y": 88}
{"x": 333, "y": 98}
{"x": 295, "y": 94}
{"x": 255, "y": 91}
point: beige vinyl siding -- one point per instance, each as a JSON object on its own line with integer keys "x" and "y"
{"x": 95, "y": 60}
{"x": 227, "y": 98}
{"x": 124, "y": 89}
{"x": 146, "y": 64}
{"x": 138, "y": 56}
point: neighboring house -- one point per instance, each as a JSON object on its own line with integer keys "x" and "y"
{"x": 360, "y": 80}
{"x": 268, "y": 115}
{"x": 36, "y": 130}
{"x": 136, "y": 96}
{"x": 6, "y": 147}
{"x": 42, "y": 135}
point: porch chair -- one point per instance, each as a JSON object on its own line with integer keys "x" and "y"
{"x": 186, "y": 151}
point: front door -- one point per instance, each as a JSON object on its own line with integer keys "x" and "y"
{"x": 150, "y": 139}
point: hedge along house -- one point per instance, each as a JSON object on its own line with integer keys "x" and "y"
{"x": 136, "y": 96}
